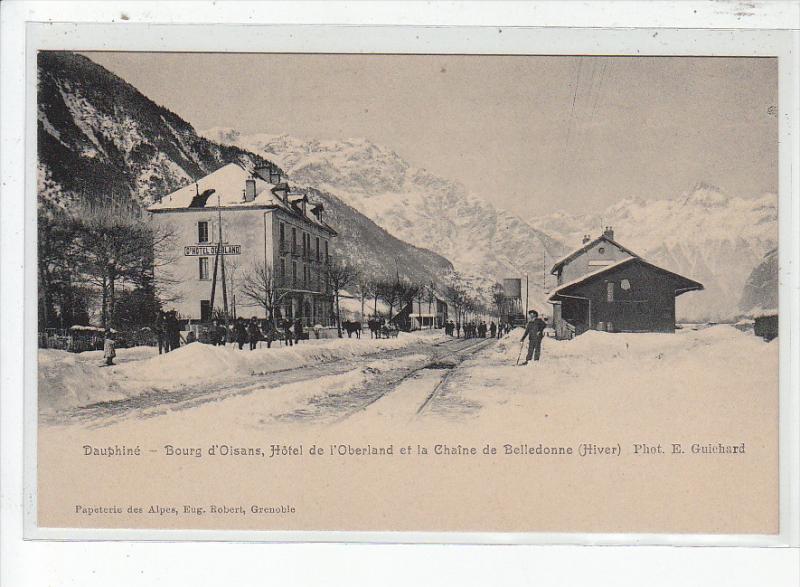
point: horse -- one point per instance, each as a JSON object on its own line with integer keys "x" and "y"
{"x": 374, "y": 328}
{"x": 352, "y": 327}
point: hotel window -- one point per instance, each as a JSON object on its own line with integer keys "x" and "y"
{"x": 305, "y": 276}
{"x": 283, "y": 268}
{"x": 202, "y": 232}
{"x": 282, "y": 237}
{"x": 294, "y": 239}
{"x": 625, "y": 284}
{"x": 326, "y": 250}
{"x": 203, "y": 265}
{"x": 294, "y": 273}
{"x": 317, "y": 248}
{"x": 610, "y": 291}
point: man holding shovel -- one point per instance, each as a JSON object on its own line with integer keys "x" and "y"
{"x": 534, "y": 332}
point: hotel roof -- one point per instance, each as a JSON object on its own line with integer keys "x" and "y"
{"x": 225, "y": 188}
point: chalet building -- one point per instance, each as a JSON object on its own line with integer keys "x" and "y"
{"x": 605, "y": 286}
{"x": 263, "y": 225}
{"x": 432, "y": 315}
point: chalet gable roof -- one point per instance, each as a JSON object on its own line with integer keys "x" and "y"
{"x": 577, "y": 252}
{"x": 686, "y": 284}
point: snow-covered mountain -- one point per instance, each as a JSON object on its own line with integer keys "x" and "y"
{"x": 100, "y": 140}
{"x": 704, "y": 234}
{"x": 413, "y": 204}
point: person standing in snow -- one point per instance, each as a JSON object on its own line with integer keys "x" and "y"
{"x": 108, "y": 348}
{"x": 241, "y": 332}
{"x": 287, "y": 332}
{"x": 534, "y": 332}
{"x": 298, "y": 330}
{"x": 253, "y": 333}
{"x": 159, "y": 328}
{"x": 493, "y": 329}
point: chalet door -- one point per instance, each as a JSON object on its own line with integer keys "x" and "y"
{"x": 632, "y": 315}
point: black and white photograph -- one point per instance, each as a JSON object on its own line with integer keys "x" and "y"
{"x": 507, "y": 263}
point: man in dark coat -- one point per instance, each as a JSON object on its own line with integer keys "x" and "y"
{"x": 163, "y": 346}
{"x": 253, "y": 333}
{"x": 241, "y": 332}
{"x": 287, "y": 332}
{"x": 492, "y": 329}
{"x": 534, "y": 332}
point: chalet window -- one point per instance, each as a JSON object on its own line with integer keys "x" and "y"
{"x": 202, "y": 232}
{"x": 203, "y": 267}
{"x": 601, "y": 250}
{"x": 610, "y": 291}
{"x": 625, "y": 284}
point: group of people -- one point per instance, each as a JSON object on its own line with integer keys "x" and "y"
{"x": 168, "y": 331}
{"x": 479, "y": 329}
{"x": 252, "y": 331}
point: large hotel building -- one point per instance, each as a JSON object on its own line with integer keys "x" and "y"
{"x": 263, "y": 225}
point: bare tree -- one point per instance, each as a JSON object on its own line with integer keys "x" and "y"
{"x": 116, "y": 247}
{"x": 258, "y": 285}
{"x": 499, "y": 299}
{"x": 430, "y": 294}
{"x": 340, "y": 276}
{"x": 366, "y": 288}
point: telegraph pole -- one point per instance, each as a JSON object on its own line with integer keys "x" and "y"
{"x": 527, "y": 295}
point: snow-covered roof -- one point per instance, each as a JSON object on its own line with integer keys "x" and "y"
{"x": 585, "y": 247}
{"x": 690, "y": 284}
{"x": 225, "y": 188}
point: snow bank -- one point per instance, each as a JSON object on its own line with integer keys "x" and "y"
{"x": 71, "y": 380}
{"x": 643, "y": 372}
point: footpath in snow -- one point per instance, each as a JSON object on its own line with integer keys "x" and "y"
{"x": 69, "y": 380}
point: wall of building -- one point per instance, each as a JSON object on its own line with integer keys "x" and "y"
{"x": 251, "y": 235}
{"x": 308, "y": 297}
{"x": 596, "y": 257}
{"x": 648, "y": 305}
{"x": 243, "y": 230}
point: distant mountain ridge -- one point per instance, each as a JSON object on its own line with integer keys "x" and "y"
{"x": 704, "y": 234}
{"x": 414, "y": 204}
{"x": 100, "y": 140}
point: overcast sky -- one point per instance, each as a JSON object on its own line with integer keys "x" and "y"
{"x": 534, "y": 134}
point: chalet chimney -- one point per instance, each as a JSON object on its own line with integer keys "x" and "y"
{"x": 249, "y": 190}
{"x": 586, "y": 239}
{"x": 609, "y": 232}
{"x": 282, "y": 191}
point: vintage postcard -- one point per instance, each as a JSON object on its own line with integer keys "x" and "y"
{"x": 518, "y": 294}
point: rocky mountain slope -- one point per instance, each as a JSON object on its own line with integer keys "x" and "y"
{"x": 704, "y": 234}
{"x": 100, "y": 140}
{"x": 413, "y": 204}
{"x": 761, "y": 288}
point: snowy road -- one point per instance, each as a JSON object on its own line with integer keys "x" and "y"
{"x": 402, "y": 382}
